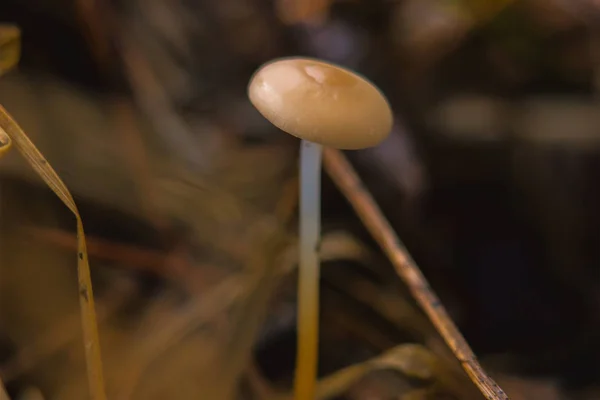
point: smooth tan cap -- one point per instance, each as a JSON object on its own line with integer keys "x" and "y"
{"x": 321, "y": 103}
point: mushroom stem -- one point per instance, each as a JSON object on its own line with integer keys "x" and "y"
{"x": 324, "y": 105}
{"x": 308, "y": 271}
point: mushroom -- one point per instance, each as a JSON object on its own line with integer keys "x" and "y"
{"x": 323, "y": 105}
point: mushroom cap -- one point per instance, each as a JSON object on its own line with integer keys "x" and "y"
{"x": 321, "y": 102}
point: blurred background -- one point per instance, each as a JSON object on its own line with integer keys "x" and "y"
{"x": 490, "y": 177}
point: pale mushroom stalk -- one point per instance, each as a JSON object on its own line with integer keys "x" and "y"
{"x": 324, "y": 105}
{"x": 308, "y": 269}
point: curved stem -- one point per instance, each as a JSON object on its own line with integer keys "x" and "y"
{"x": 308, "y": 271}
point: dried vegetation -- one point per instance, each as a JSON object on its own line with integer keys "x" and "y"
{"x": 188, "y": 196}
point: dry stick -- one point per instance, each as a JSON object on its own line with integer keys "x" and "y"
{"x": 129, "y": 255}
{"x": 344, "y": 176}
{"x": 10, "y": 128}
{"x": 402, "y": 315}
{"x": 172, "y": 267}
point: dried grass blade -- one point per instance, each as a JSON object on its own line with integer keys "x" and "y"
{"x": 412, "y": 360}
{"x": 9, "y": 127}
{"x": 337, "y": 383}
{"x": 344, "y": 176}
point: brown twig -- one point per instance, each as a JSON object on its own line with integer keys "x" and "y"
{"x": 171, "y": 266}
{"x": 344, "y": 176}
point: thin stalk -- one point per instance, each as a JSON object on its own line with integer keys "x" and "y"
{"x": 308, "y": 271}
